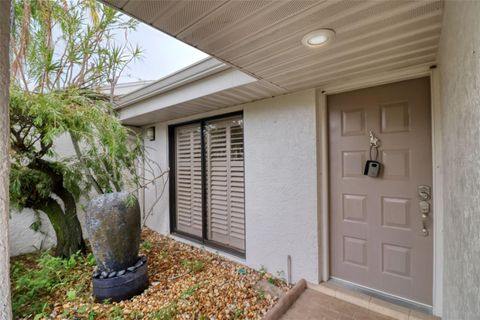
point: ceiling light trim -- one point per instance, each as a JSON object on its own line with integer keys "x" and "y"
{"x": 318, "y": 38}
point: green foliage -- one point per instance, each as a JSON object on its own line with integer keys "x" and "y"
{"x": 109, "y": 149}
{"x": 166, "y": 313}
{"x": 59, "y": 44}
{"x": 146, "y": 246}
{"x": 92, "y": 315}
{"x": 71, "y": 295}
{"x": 169, "y": 311}
{"x": 83, "y": 309}
{"x": 131, "y": 200}
{"x": 116, "y": 313}
{"x": 31, "y": 285}
{"x": 237, "y": 313}
{"x": 63, "y": 53}
{"x": 90, "y": 258}
{"x": 193, "y": 265}
{"x": 136, "y": 314}
{"x": 189, "y": 292}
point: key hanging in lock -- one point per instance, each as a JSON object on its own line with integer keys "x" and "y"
{"x": 373, "y": 166}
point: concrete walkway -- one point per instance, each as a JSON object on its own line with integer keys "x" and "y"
{"x": 313, "y": 305}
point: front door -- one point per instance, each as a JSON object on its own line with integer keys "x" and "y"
{"x": 379, "y": 238}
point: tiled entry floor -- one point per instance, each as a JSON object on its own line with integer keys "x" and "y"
{"x": 313, "y": 305}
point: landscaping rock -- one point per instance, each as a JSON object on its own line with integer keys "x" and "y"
{"x": 216, "y": 291}
{"x": 139, "y": 263}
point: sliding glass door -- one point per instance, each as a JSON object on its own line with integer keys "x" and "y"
{"x": 209, "y": 181}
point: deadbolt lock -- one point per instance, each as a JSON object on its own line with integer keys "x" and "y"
{"x": 424, "y": 193}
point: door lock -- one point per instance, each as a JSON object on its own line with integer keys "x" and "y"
{"x": 424, "y": 193}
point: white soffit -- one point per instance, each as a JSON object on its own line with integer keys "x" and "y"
{"x": 263, "y": 37}
{"x": 205, "y": 86}
{"x": 174, "y": 105}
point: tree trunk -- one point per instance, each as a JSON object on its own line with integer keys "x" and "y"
{"x": 74, "y": 240}
{"x": 55, "y": 214}
{"x": 65, "y": 222}
{"x": 67, "y": 231}
{"x": 5, "y": 299}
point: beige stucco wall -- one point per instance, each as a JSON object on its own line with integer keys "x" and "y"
{"x": 281, "y": 184}
{"x": 156, "y": 194}
{"x": 460, "y": 98}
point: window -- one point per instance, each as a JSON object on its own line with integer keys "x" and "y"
{"x": 208, "y": 181}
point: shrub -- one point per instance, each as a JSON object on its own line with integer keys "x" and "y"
{"x": 31, "y": 285}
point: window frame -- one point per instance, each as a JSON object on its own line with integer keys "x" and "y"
{"x": 172, "y": 185}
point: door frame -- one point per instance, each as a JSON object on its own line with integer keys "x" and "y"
{"x": 437, "y": 166}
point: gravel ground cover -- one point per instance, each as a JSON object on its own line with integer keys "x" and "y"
{"x": 185, "y": 283}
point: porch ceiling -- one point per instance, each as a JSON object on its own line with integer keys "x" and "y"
{"x": 263, "y": 37}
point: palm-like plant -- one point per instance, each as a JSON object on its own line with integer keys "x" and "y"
{"x": 62, "y": 53}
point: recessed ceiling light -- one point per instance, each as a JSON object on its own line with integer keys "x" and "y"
{"x": 318, "y": 38}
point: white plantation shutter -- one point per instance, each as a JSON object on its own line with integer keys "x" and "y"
{"x": 188, "y": 177}
{"x": 225, "y": 182}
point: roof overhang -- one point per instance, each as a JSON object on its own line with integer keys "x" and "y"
{"x": 183, "y": 77}
{"x": 264, "y": 38}
{"x": 180, "y": 93}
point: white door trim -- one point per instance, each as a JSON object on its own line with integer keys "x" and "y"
{"x": 438, "y": 192}
{"x": 322, "y": 123}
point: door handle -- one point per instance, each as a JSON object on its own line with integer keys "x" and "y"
{"x": 424, "y": 194}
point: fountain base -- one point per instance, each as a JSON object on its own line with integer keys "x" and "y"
{"x": 123, "y": 285}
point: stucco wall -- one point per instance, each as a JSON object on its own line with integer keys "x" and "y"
{"x": 156, "y": 213}
{"x": 280, "y": 184}
{"x": 460, "y": 99}
{"x": 24, "y": 239}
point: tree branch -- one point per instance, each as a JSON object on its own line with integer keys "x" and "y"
{"x": 89, "y": 175}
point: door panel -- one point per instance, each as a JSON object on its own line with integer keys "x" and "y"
{"x": 188, "y": 175}
{"x": 225, "y": 182}
{"x": 375, "y": 223}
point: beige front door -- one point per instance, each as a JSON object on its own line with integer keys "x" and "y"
{"x": 376, "y": 227}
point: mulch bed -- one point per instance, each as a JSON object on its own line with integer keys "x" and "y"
{"x": 185, "y": 283}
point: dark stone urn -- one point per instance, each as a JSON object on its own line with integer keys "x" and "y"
{"x": 114, "y": 227}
